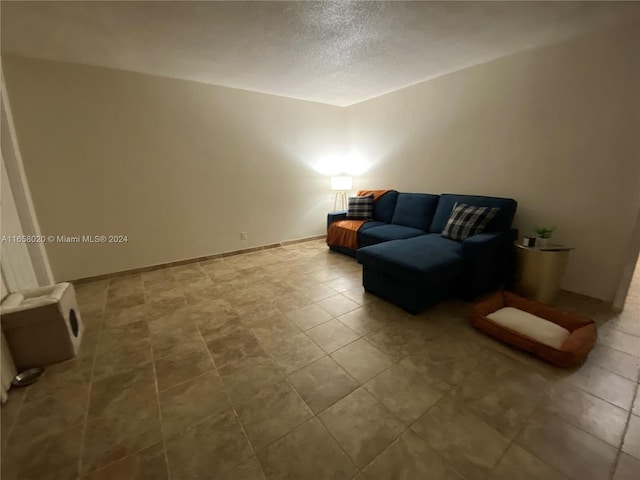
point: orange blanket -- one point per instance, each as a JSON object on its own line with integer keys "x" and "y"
{"x": 344, "y": 233}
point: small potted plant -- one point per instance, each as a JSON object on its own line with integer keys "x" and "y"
{"x": 544, "y": 234}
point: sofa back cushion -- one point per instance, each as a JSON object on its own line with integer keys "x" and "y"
{"x": 384, "y": 206}
{"x": 500, "y": 222}
{"x": 415, "y": 210}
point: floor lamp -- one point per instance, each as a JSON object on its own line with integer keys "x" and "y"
{"x": 340, "y": 185}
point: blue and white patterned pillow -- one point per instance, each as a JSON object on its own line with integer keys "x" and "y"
{"x": 360, "y": 208}
{"x": 466, "y": 221}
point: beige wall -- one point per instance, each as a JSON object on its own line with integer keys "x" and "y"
{"x": 556, "y": 128}
{"x": 180, "y": 167}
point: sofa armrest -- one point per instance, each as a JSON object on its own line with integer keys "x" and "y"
{"x": 489, "y": 262}
{"x": 335, "y": 217}
{"x": 487, "y": 241}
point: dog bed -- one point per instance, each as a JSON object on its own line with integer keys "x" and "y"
{"x": 561, "y": 338}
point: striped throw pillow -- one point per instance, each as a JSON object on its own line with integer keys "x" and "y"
{"x": 466, "y": 221}
{"x": 360, "y": 208}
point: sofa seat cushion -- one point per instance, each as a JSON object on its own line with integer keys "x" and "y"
{"x": 385, "y": 233}
{"x": 371, "y": 224}
{"x": 433, "y": 241}
{"x": 416, "y": 259}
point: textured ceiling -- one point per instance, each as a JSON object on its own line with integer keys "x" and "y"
{"x": 331, "y": 52}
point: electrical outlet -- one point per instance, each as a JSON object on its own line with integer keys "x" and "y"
{"x": 243, "y": 235}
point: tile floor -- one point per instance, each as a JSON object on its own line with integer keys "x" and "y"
{"x": 276, "y": 364}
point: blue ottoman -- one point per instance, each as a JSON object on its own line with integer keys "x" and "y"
{"x": 414, "y": 273}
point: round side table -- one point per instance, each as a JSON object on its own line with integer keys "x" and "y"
{"x": 540, "y": 271}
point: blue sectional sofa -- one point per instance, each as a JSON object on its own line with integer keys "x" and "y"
{"x": 406, "y": 261}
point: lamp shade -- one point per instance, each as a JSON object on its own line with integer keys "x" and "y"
{"x": 340, "y": 183}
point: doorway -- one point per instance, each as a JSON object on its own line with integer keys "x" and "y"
{"x": 24, "y": 265}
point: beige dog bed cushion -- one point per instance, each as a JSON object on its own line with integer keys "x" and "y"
{"x": 559, "y": 337}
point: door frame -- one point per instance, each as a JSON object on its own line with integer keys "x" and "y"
{"x": 630, "y": 259}
{"x": 12, "y": 159}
